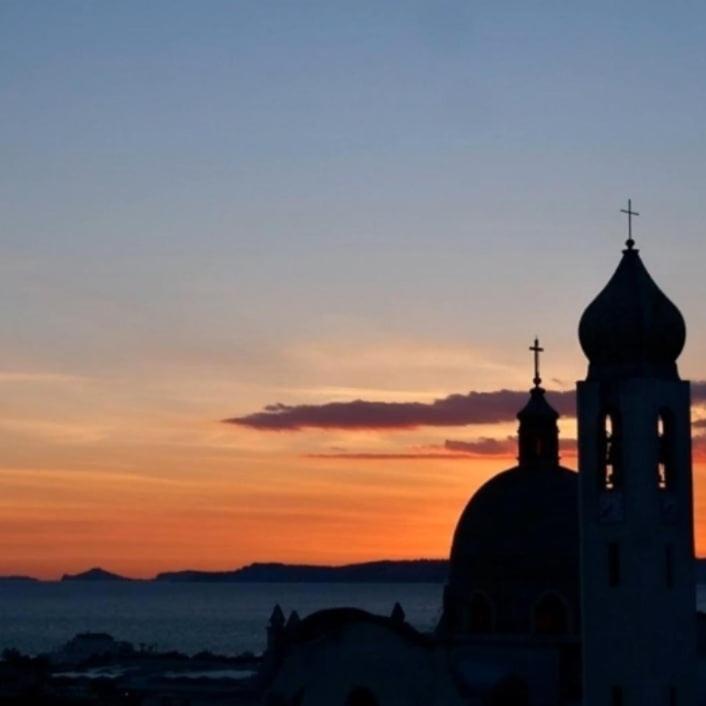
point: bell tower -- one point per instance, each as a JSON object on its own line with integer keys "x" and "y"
{"x": 637, "y": 547}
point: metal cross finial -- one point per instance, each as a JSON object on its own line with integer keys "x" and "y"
{"x": 629, "y": 242}
{"x": 536, "y": 350}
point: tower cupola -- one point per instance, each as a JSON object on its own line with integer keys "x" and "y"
{"x": 631, "y": 329}
{"x": 538, "y": 435}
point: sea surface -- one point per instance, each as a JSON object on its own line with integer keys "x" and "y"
{"x": 189, "y": 617}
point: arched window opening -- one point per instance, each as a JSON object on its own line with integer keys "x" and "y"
{"x": 480, "y": 614}
{"x": 610, "y": 477}
{"x": 666, "y": 476}
{"x": 551, "y": 616}
{"x": 661, "y": 457}
{"x": 361, "y": 696}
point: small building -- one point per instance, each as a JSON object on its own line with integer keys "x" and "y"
{"x": 87, "y": 645}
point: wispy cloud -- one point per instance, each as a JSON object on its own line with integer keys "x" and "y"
{"x": 485, "y": 446}
{"x": 392, "y": 456}
{"x": 507, "y": 446}
{"x": 14, "y": 376}
{"x": 56, "y": 432}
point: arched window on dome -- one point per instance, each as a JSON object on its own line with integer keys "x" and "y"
{"x": 666, "y": 475}
{"x": 550, "y": 615}
{"x": 610, "y": 470}
{"x": 480, "y": 616}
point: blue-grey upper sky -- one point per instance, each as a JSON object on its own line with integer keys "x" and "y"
{"x": 178, "y": 175}
{"x": 208, "y": 206}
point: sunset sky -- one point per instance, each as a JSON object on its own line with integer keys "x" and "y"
{"x": 207, "y": 208}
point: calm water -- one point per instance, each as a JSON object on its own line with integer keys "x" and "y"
{"x": 224, "y": 618}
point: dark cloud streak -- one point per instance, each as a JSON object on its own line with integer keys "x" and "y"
{"x": 454, "y": 410}
{"x": 485, "y": 446}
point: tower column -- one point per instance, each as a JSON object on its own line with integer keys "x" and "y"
{"x": 638, "y": 595}
{"x": 635, "y": 483}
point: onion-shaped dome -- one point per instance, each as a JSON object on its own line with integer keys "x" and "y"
{"x": 631, "y": 329}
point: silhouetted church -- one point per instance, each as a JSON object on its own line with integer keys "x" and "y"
{"x": 563, "y": 588}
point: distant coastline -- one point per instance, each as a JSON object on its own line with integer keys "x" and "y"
{"x": 386, "y": 571}
{"x": 414, "y": 571}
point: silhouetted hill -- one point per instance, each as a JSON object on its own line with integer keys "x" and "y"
{"x": 415, "y": 571}
{"x": 95, "y": 574}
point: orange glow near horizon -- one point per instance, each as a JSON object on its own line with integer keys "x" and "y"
{"x": 270, "y": 280}
{"x": 139, "y": 476}
{"x": 140, "y": 526}
{"x": 318, "y": 512}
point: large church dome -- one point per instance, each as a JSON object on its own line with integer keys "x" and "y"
{"x": 515, "y": 553}
{"x": 521, "y": 521}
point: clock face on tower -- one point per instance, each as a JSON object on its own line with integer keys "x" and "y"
{"x": 611, "y": 507}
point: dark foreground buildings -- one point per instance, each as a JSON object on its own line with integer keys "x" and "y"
{"x": 564, "y": 588}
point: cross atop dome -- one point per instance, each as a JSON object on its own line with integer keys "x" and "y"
{"x": 630, "y": 213}
{"x": 536, "y": 350}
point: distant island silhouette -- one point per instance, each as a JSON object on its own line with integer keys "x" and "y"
{"x": 385, "y": 571}
{"x": 95, "y": 574}
{"x": 412, "y": 571}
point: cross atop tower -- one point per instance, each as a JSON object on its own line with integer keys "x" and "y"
{"x": 536, "y": 349}
{"x": 630, "y": 213}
